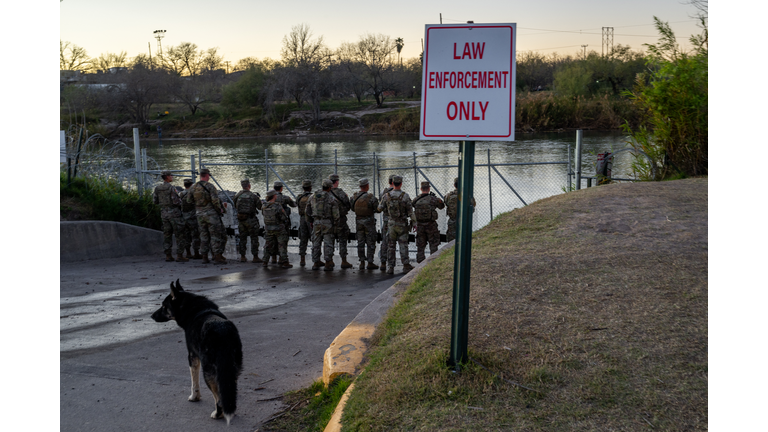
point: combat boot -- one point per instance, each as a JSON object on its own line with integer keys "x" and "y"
{"x": 205, "y": 258}
{"x": 265, "y": 262}
{"x": 219, "y": 259}
{"x": 180, "y": 257}
{"x": 391, "y": 270}
{"x": 243, "y": 258}
{"x": 286, "y": 264}
{"x": 303, "y": 261}
{"x": 274, "y": 259}
{"x": 383, "y": 266}
{"x": 372, "y": 266}
{"x": 189, "y": 253}
{"x": 169, "y": 257}
{"x": 317, "y": 265}
{"x": 328, "y": 266}
{"x": 197, "y": 254}
{"x": 345, "y": 264}
{"x": 407, "y": 267}
{"x": 256, "y": 259}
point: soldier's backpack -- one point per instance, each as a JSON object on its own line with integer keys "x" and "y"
{"x": 395, "y": 205}
{"x": 362, "y": 205}
{"x": 245, "y": 205}
{"x": 451, "y": 203}
{"x": 186, "y": 206}
{"x": 320, "y": 208}
{"x": 423, "y": 209}
{"x": 270, "y": 212}
{"x": 303, "y": 201}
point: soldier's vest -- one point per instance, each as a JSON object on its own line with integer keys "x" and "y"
{"x": 451, "y": 203}
{"x": 363, "y": 205}
{"x": 422, "y": 208}
{"x": 322, "y": 208}
{"x": 201, "y": 194}
{"x": 303, "y": 201}
{"x": 185, "y": 206}
{"x": 271, "y": 213}
{"x": 395, "y": 205}
{"x": 343, "y": 208}
{"x": 165, "y": 195}
{"x": 246, "y": 205}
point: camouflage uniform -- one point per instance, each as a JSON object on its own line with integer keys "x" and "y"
{"x": 190, "y": 221}
{"x": 398, "y": 204}
{"x": 209, "y": 210}
{"x": 170, "y": 212}
{"x": 452, "y": 203}
{"x": 286, "y": 203}
{"x": 305, "y": 231}
{"x": 323, "y": 213}
{"x": 275, "y": 234}
{"x": 365, "y": 204}
{"x": 425, "y": 208}
{"x": 384, "y": 226}
{"x": 342, "y": 229}
{"x": 248, "y": 205}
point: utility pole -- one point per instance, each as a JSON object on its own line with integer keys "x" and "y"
{"x": 607, "y": 40}
{"x": 585, "y": 51}
{"x": 227, "y": 62}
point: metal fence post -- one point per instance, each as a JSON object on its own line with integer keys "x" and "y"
{"x": 569, "y": 170}
{"x": 192, "y": 166}
{"x": 490, "y": 184}
{"x": 335, "y": 161}
{"x": 266, "y": 166}
{"x": 578, "y": 158}
{"x": 137, "y": 156}
{"x": 415, "y": 175}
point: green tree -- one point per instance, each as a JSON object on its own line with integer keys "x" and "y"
{"x": 248, "y": 91}
{"x": 673, "y": 97}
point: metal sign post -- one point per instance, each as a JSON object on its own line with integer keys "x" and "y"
{"x": 468, "y": 94}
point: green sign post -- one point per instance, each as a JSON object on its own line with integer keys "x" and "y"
{"x": 463, "y": 256}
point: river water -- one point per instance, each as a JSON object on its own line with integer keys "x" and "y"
{"x": 353, "y": 157}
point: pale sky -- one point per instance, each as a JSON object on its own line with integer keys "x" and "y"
{"x": 242, "y": 28}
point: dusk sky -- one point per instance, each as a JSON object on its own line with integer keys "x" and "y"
{"x": 242, "y": 28}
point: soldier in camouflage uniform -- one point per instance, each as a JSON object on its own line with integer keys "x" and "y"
{"x": 384, "y": 237}
{"x": 209, "y": 210}
{"x": 305, "y": 232}
{"x": 275, "y": 234}
{"x": 398, "y": 205}
{"x": 322, "y": 212}
{"x": 190, "y": 221}
{"x": 364, "y": 205}
{"x": 342, "y": 229}
{"x": 286, "y": 203}
{"x": 166, "y": 196}
{"x": 452, "y": 204}
{"x": 248, "y": 205}
{"x": 425, "y": 208}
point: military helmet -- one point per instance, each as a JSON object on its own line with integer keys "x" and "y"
{"x": 271, "y": 193}
{"x": 333, "y": 177}
{"x": 327, "y": 183}
{"x": 306, "y": 183}
{"x": 363, "y": 181}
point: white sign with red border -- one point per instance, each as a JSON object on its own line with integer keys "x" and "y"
{"x": 468, "y": 83}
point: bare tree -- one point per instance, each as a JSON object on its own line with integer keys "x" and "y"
{"x": 183, "y": 59}
{"x": 137, "y": 91}
{"x": 370, "y": 62}
{"x": 106, "y": 61}
{"x": 73, "y": 57}
{"x": 304, "y": 59}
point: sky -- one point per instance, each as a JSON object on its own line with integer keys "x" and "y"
{"x": 243, "y": 28}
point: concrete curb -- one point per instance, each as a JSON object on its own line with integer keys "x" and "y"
{"x": 86, "y": 240}
{"x": 345, "y": 354}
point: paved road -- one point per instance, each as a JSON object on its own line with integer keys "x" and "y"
{"x": 121, "y": 371}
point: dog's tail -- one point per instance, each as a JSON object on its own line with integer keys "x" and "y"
{"x": 227, "y": 377}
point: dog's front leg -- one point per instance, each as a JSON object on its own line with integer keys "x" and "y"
{"x": 194, "y": 370}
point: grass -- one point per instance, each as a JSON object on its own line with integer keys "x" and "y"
{"x": 607, "y": 328}
{"x": 309, "y": 409}
{"x": 404, "y": 120}
{"x": 547, "y": 111}
{"x": 106, "y": 200}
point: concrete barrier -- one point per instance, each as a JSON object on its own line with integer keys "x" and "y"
{"x": 87, "y": 240}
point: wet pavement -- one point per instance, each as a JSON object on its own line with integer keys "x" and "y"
{"x": 121, "y": 371}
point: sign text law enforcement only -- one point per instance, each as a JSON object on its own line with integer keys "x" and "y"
{"x": 468, "y": 85}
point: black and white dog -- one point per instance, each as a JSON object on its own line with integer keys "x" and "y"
{"x": 212, "y": 340}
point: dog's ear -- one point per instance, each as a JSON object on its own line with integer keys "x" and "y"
{"x": 175, "y": 290}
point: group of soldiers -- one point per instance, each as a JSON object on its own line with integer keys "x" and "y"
{"x": 194, "y": 217}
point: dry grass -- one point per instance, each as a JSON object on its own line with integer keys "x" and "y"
{"x": 595, "y": 299}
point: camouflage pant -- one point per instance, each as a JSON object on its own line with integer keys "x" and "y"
{"x": 366, "y": 236}
{"x": 398, "y": 235}
{"x": 248, "y": 228}
{"x": 450, "y": 233}
{"x": 305, "y": 233}
{"x": 342, "y": 236}
{"x": 276, "y": 238}
{"x": 426, "y": 233}
{"x": 322, "y": 235}
{"x": 193, "y": 233}
{"x": 212, "y": 235}
{"x": 384, "y": 249}
{"x": 173, "y": 224}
